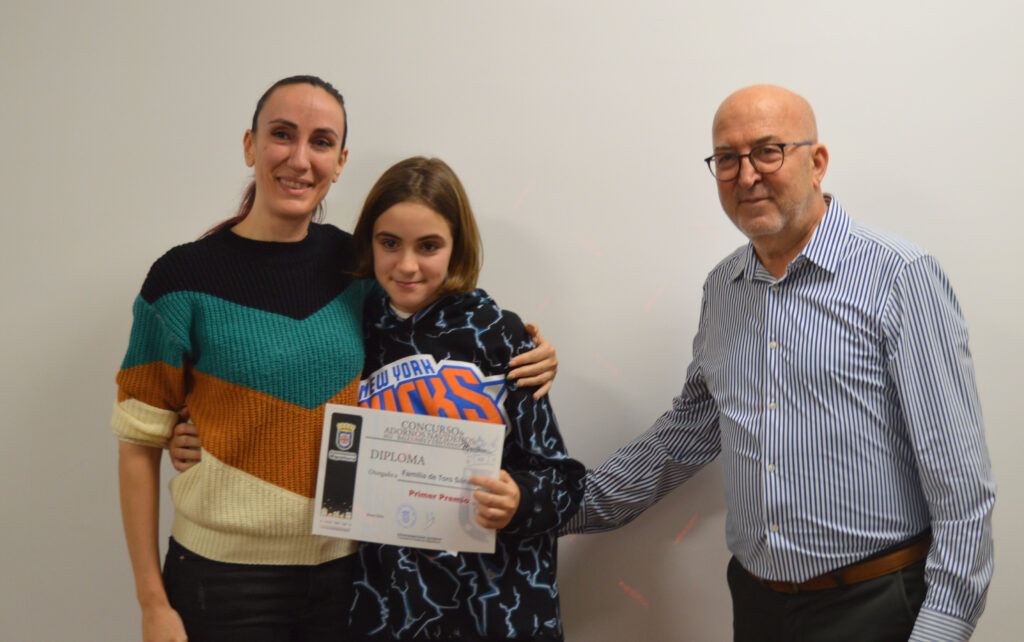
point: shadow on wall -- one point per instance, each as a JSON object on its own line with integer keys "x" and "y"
{"x": 640, "y": 582}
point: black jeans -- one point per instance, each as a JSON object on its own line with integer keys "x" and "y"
{"x": 880, "y": 610}
{"x": 258, "y": 603}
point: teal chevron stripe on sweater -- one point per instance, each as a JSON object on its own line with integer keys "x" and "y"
{"x": 256, "y": 349}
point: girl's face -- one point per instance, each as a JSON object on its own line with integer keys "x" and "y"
{"x": 412, "y": 245}
{"x": 295, "y": 151}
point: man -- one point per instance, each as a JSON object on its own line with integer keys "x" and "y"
{"x": 831, "y": 371}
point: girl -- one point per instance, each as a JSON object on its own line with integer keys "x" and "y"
{"x": 255, "y": 326}
{"x": 417, "y": 236}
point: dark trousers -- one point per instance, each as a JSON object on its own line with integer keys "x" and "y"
{"x": 880, "y": 610}
{"x": 258, "y": 603}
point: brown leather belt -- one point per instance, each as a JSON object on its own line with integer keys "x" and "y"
{"x": 859, "y": 572}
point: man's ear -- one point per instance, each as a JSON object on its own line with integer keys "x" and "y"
{"x": 819, "y": 161}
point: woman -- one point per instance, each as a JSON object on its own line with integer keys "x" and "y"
{"x": 255, "y": 327}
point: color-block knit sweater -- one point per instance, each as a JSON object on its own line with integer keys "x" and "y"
{"x": 255, "y": 337}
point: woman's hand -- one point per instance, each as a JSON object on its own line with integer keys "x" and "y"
{"x": 162, "y": 624}
{"x": 497, "y": 500}
{"x": 536, "y": 367}
{"x": 184, "y": 445}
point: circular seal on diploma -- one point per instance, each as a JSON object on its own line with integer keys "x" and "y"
{"x": 406, "y": 516}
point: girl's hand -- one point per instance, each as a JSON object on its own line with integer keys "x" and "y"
{"x": 162, "y": 624}
{"x": 184, "y": 445}
{"x": 497, "y": 500}
{"x": 536, "y": 367}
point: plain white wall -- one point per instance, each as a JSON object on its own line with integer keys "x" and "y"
{"x": 578, "y": 129}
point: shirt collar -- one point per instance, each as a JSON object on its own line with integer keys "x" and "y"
{"x": 825, "y": 249}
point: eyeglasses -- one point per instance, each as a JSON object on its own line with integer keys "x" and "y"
{"x": 765, "y": 159}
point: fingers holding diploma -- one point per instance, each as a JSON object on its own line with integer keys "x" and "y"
{"x": 497, "y": 500}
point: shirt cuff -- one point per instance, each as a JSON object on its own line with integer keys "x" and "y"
{"x": 575, "y": 523}
{"x": 933, "y": 626}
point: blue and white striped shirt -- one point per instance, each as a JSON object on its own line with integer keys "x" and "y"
{"x": 843, "y": 401}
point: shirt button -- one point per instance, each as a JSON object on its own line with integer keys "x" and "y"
{"x": 775, "y": 288}
{"x": 772, "y": 406}
{"x": 771, "y": 468}
{"x": 773, "y": 344}
{"x": 775, "y": 528}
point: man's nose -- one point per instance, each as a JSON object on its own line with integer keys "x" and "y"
{"x": 748, "y": 174}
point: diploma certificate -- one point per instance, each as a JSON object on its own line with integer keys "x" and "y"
{"x": 403, "y": 479}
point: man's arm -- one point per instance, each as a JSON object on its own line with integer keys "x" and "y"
{"x": 931, "y": 366}
{"x": 638, "y": 475}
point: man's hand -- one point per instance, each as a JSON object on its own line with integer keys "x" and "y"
{"x": 184, "y": 446}
{"x": 536, "y": 367}
{"x": 497, "y": 500}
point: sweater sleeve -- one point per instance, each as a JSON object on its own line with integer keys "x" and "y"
{"x": 151, "y": 382}
{"x": 550, "y": 482}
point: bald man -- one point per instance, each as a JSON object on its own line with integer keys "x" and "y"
{"x": 831, "y": 372}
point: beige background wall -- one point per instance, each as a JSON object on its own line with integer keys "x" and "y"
{"x": 578, "y": 129}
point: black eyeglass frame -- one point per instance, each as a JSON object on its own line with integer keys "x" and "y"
{"x": 749, "y": 156}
